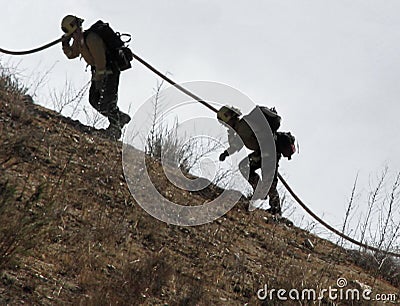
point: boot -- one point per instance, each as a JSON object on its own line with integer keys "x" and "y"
{"x": 123, "y": 119}
{"x": 113, "y": 131}
{"x": 275, "y": 211}
{"x": 254, "y": 178}
{"x": 117, "y": 122}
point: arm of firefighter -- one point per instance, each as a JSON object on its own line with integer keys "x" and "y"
{"x": 97, "y": 48}
{"x": 235, "y": 143}
{"x": 71, "y": 51}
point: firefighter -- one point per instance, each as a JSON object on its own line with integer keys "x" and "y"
{"x": 103, "y": 93}
{"x": 284, "y": 144}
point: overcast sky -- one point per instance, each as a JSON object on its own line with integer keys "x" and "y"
{"x": 331, "y": 68}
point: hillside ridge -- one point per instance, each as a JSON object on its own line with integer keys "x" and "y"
{"x": 73, "y": 234}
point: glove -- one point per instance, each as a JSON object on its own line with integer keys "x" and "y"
{"x": 223, "y": 155}
{"x": 65, "y": 40}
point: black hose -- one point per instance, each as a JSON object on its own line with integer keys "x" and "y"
{"x": 184, "y": 90}
{"x": 332, "y": 229}
{"x": 197, "y": 98}
{"x": 299, "y": 201}
{"x": 33, "y": 50}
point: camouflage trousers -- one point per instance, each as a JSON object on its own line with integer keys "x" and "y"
{"x": 254, "y": 179}
{"x": 103, "y": 96}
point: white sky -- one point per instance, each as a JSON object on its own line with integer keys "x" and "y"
{"x": 330, "y": 68}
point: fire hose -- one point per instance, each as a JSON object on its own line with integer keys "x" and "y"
{"x": 209, "y": 106}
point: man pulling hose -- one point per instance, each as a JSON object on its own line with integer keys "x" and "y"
{"x": 243, "y": 127}
{"x": 103, "y": 93}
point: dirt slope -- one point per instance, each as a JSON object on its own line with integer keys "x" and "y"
{"x": 72, "y": 234}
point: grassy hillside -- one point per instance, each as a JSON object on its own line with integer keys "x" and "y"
{"x": 72, "y": 234}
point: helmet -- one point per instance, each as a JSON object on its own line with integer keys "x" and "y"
{"x": 226, "y": 113}
{"x": 70, "y": 24}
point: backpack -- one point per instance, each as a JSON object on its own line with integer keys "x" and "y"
{"x": 272, "y": 117}
{"x": 117, "y": 52}
{"x": 274, "y": 120}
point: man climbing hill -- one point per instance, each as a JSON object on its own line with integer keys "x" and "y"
{"x": 244, "y": 128}
{"x": 103, "y": 93}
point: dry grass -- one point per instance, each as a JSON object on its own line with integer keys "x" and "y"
{"x": 71, "y": 233}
